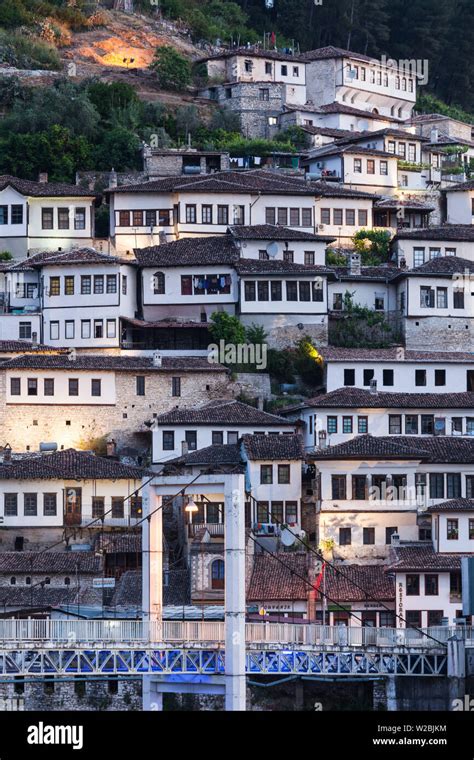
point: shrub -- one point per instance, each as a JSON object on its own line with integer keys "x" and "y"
{"x": 256, "y": 334}
{"x": 334, "y": 259}
{"x": 172, "y": 69}
{"x": 13, "y": 14}
{"x": 373, "y": 245}
{"x": 226, "y": 327}
{"x": 280, "y": 366}
{"x": 28, "y": 52}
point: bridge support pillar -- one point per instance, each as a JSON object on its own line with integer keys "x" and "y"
{"x": 234, "y": 544}
{"x": 391, "y": 693}
{"x": 456, "y": 669}
{"x": 152, "y": 572}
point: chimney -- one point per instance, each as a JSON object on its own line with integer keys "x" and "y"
{"x": 111, "y": 448}
{"x": 260, "y": 403}
{"x": 157, "y": 359}
{"x": 34, "y": 339}
{"x": 184, "y": 448}
{"x": 395, "y": 539}
{"x": 113, "y": 178}
{"x": 7, "y": 453}
{"x": 72, "y": 355}
{"x": 434, "y": 135}
{"x": 323, "y": 439}
{"x": 43, "y": 178}
{"x": 354, "y": 263}
{"x": 373, "y": 387}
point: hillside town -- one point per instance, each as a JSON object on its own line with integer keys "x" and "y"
{"x": 301, "y": 325}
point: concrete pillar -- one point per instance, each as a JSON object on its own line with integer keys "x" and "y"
{"x": 152, "y": 698}
{"x": 152, "y": 549}
{"x": 456, "y": 669}
{"x": 234, "y": 545}
{"x": 152, "y": 582}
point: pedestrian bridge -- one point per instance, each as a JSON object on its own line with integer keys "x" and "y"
{"x": 39, "y": 648}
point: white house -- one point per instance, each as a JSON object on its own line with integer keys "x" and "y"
{"x": 67, "y": 488}
{"x": 340, "y": 415}
{"x": 215, "y": 423}
{"x": 436, "y": 302}
{"x": 427, "y": 585}
{"x": 413, "y": 370}
{"x": 289, "y": 300}
{"x": 43, "y": 215}
{"x": 356, "y": 512}
{"x": 417, "y": 165}
{"x": 151, "y": 213}
{"x": 341, "y": 119}
{"x": 381, "y": 87}
{"x": 412, "y": 248}
{"x": 453, "y": 524}
{"x": 460, "y": 203}
{"x": 81, "y": 296}
{"x": 273, "y": 468}
{"x": 373, "y": 488}
{"x": 357, "y": 166}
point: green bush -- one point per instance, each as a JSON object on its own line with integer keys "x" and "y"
{"x": 373, "y": 245}
{"x": 256, "y": 334}
{"x": 172, "y": 69}
{"x": 280, "y": 366}
{"x": 226, "y": 327}
{"x": 27, "y": 52}
{"x": 13, "y": 14}
{"x": 334, "y": 259}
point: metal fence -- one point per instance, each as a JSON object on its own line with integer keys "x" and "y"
{"x": 137, "y": 632}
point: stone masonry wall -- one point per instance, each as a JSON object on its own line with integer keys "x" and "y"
{"x": 23, "y": 425}
{"x": 76, "y": 695}
{"x": 439, "y": 333}
{"x": 253, "y": 112}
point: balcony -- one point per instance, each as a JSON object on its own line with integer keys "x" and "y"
{"x": 215, "y": 530}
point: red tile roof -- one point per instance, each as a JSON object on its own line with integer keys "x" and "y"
{"x": 355, "y": 583}
{"x": 273, "y": 578}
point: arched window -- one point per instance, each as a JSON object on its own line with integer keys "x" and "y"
{"x": 217, "y": 574}
{"x": 159, "y": 283}
{"x": 67, "y": 581}
{"x": 375, "y": 111}
{"x": 13, "y": 581}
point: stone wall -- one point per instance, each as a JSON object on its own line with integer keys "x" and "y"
{"x": 439, "y": 333}
{"x": 254, "y": 384}
{"x": 253, "y": 112}
{"x": 90, "y": 694}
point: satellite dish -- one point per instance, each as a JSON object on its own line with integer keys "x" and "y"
{"x": 287, "y": 537}
{"x": 272, "y": 250}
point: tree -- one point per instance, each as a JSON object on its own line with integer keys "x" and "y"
{"x": 120, "y": 149}
{"x": 226, "y": 327}
{"x": 172, "y": 69}
{"x": 55, "y": 150}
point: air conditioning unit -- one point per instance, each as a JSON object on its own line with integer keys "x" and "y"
{"x": 321, "y": 226}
